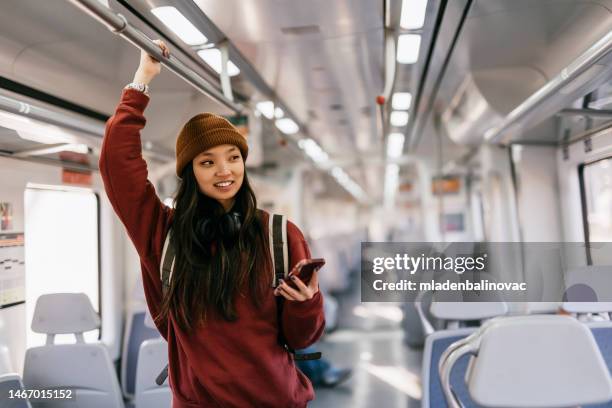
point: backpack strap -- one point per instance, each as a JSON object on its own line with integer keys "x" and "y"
{"x": 165, "y": 274}
{"x": 279, "y": 253}
{"x": 277, "y": 238}
{"x": 167, "y": 263}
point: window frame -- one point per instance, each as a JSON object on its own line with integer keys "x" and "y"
{"x": 584, "y": 205}
{"x": 63, "y": 188}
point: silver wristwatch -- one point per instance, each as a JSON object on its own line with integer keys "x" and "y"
{"x": 144, "y": 88}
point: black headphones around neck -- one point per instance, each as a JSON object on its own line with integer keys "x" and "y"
{"x": 225, "y": 227}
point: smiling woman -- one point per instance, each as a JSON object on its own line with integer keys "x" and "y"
{"x": 218, "y": 313}
{"x": 220, "y": 172}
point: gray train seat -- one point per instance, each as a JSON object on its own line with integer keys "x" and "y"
{"x": 8, "y": 383}
{"x": 86, "y": 368}
{"x": 588, "y": 292}
{"x": 435, "y": 345}
{"x": 136, "y": 332}
{"x": 529, "y": 361}
{"x": 152, "y": 358}
{"x": 454, "y": 313}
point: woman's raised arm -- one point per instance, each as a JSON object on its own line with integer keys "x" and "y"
{"x": 123, "y": 169}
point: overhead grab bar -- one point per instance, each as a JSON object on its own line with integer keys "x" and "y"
{"x": 50, "y": 117}
{"x": 120, "y": 26}
{"x": 579, "y": 66}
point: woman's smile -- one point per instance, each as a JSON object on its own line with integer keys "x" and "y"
{"x": 225, "y": 186}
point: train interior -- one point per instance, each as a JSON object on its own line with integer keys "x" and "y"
{"x": 389, "y": 121}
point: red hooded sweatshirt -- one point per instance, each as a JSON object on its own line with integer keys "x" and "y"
{"x": 222, "y": 364}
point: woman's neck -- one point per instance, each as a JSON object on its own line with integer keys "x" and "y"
{"x": 227, "y": 204}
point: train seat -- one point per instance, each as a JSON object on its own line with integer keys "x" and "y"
{"x": 86, "y": 368}
{"x": 152, "y": 358}
{"x": 12, "y": 382}
{"x": 588, "y": 292}
{"x": 455, "y": 313}
{"x": 136, "y": 332}
{"x": 529, "y": 361}
{"x": 435, "y": 345}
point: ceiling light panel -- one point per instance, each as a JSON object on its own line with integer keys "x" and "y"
{"x": 413, "y": 14}
{"x": 395, "y": 145}
{"x": 180, "y": 25}
{"x": 212, "y": 57}
{"x": 401, "y": 100}
{"x": 399, "y": 118}
{"x": 408, "y": 46}
{"x": 287, "y": 126}
{"x": 266, "y": 108}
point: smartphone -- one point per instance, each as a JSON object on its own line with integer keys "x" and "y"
{"x": 305, "y": 268}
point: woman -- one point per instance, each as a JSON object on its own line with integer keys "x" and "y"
{"x": 219, "y": 315}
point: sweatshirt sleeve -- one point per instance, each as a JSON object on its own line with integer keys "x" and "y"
{"x": 133, "y": 197}
{"x": 303, "y": 322}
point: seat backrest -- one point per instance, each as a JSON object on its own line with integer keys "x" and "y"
{"x": 152, "y": 359}
{"x": 435, "y": 344}
{"x": 9, "y": 384}
{"x": 136, "y": 332}
{"x": 534, "y": 361}
{"x": 462, "y": 311}
{"x": 84, "y": 368}
{"x": 588, "y": 289}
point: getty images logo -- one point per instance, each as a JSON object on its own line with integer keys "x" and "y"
{"x": 422, "y": 263}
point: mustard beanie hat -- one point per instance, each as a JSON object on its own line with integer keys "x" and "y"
{"x": 203, "y": 131}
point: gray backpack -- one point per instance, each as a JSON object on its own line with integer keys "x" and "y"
{"x": 279, "y": 253}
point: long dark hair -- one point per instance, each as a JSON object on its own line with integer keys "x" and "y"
{"x": 208, "y": 279}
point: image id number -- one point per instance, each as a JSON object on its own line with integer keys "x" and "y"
{"x": 41, "y": 394}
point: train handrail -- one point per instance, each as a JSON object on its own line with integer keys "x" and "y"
{"x": 120, "y": 26}
{"x": 48, "y": 116}
{"x": 576, "y": 68}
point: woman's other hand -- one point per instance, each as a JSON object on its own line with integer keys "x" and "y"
{"x": 303, "y": 291}
{"x": 150, "y": 67}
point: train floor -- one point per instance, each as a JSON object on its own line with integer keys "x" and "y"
{"x": 369, "y": 339}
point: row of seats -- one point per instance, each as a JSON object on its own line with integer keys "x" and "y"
{"x": 520, "y": 361}
{"x": 144, "y": 353}
{"x": 541, "y": 348}
{"x": 86, "y": 368}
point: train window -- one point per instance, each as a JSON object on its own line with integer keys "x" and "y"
{"x": 597, "y": 192}
{"x": 61, "y": 245}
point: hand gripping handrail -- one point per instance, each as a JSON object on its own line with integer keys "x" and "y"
{"x": 120, "y": 26}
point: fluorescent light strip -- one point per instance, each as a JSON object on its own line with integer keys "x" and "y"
{"x": 212, "y": 56}
{"x": 395, "y": 145}
{"x": 391, "y": 182}
{"x": 408, "y": 46}
{"x": 399, "y": 118}
{"x": 35, "y": 131}
{"x": 401, "y": 100}
{"x": 287, "y": 126}
{"x": 266, "y": 108}
{"x": 313, "y": 150}
{"x": 348, "y": 184}
{"x": 180, "y": 25}
{"x": 413, "y": 14}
